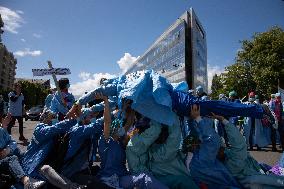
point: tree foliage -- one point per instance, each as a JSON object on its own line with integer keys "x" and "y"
{"x": 258, "y": 66}
{"x": 34, "y": 93}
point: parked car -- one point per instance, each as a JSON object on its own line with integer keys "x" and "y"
{"x": 34, "y": 113}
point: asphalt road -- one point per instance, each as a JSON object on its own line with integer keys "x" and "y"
{"x": 264, "y": 156}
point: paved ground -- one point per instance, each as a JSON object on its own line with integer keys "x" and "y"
{"x": 265, "y": 156}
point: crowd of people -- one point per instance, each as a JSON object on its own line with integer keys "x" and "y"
{"x": 140, "y": 131}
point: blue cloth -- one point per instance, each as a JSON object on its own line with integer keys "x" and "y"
{"x": 41, "y": 144}
{"x": 153, "y": 96}
{"x": 149, "y": 91}
{"x": 78, "y": 135}
{"x": 57, "y": 104}
{"x": 16, "y": 108}
{"x": 47, "y": 101}
{"x": 113, "y": 158}
{"x": 6, "y": 141}
{"x": 181, "y": 86}
{"x": 204, "y": 166}
{"x": 238, "y": 160}
{"x": 182, "y": 102}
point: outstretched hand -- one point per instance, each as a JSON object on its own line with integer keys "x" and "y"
{"x": 100, "y": 96}
{"x": 194, "y": 111}
{"x": 74, "y": 112}
{"x": 7, "y": 120}
{"x": 214, "y": 116}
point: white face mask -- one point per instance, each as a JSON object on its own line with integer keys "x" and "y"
{"x": 251, "y": 99}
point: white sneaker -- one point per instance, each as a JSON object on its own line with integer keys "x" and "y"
{"x": 34, "y": 183}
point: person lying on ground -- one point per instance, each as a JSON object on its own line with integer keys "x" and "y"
{"x": 9, "y": 162}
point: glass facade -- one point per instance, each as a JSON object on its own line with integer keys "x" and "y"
{"x": 179, "y": 54}
{"x": 199, "y": 53}
{"x": 167, "y": 55}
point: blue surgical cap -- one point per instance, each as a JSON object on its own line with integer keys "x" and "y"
{"x": 199, "y": 89}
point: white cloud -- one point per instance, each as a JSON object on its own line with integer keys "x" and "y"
{"x": 126, "y": 62}
{"x": 90, "y": 82}
{"x": 36, "y": 35}
{"x": 12, "y": 19}
{"x": 19, "y": 11}
{"x": 84, "y": 75}
{"x": 27, "y": 52}
{"x": 211, "y": 71}
{"x": 23, "y": 40}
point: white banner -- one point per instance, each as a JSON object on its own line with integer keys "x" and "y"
{"x": 56, "y": 71}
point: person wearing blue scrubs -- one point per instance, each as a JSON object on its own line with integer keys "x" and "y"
{"x": 242, "y": 165}
{"x": 62, "y": 101}
{"x": 112, "y": 146}
{"x": 205, "y": 167}
{"x": 40, "y": 147}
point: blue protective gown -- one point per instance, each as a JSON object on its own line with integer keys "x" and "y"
{"x": 167, "y": 163}
{"x": 47, "y": 101}
{"x": 78, "y": 136}
{"x": 6, "y": 141}
{"x": 57, "y": 104}
{"x": 137, "y": 148}
{"x": 154, "y": 97}
{"x": 244, "y": 167}
{"x": 204, "y": 166}
{"x": 41, "y": 144}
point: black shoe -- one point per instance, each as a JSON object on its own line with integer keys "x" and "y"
{"x": 22, "y": 138}
{"x": 274, "y": 149}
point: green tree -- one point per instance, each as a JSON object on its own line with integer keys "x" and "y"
{"x": 259, "y": 65}
{"x": 217, "y": 86}
{"x": 34, "y": 93}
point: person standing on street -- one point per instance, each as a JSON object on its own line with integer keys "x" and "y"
{"x": 16, "y": 106}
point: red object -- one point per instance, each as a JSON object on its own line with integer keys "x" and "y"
{"x": 203, "y": 186}
{"x": 251, "y": 94}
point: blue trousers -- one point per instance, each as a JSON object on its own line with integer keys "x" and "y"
{"x": 181, "y": 103}
{"x": 12, "y": 164}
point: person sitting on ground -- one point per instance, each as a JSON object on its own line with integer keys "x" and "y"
{"x": 9, "y": 161}
{"x": 202, "y": 145}
{"x": 83, "y": 140}
{"x": 166, "y": 161}
{"x": 43, "y": 141}
{"x": 242, "y": 165}
{"x": 112, "y": 153}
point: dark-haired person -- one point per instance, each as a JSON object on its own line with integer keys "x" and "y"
{"x": 62, "y": 101}
{"x": 16, "y": 107}
{"x": 166, "y": 161}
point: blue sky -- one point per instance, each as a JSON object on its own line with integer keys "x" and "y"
{"x": 91, "y": 37}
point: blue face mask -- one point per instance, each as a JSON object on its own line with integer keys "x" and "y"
{"x": 67, "y": 86}
{"x": 54, "y": 121}
{"x": 93, "y": 120}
